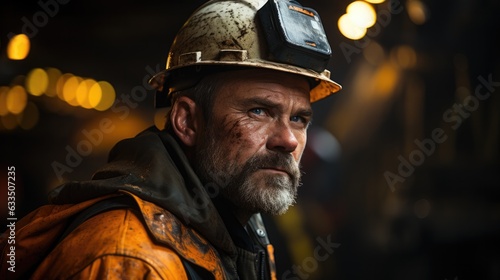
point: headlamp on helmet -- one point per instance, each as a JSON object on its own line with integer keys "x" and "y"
{"x": 224, "y": 35}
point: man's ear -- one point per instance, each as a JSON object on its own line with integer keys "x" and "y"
{"x": 184, "y": 119}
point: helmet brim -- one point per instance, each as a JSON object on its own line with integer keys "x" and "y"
{"x": 323, "y": 88}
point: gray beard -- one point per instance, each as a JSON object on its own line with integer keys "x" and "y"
{"x": 271, "y": 194}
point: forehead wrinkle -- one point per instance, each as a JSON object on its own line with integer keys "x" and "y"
{"x": 279, "y": 90}
{"x": 277, "y": 93}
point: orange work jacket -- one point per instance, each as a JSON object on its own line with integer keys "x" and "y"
{"x": 116, "y": 244}
{"x": 166, "y": 236}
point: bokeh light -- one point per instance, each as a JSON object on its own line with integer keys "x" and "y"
{"x": 417, "y": 11}
{"x": 386, "y": 79}
{"x": 361, "y": 14}
{"x": 102, "y": 96}
{"x": 29, "y": 118}
{"x": 83, "y": 92}
{"x": 16, "y": 100}
{"x": 349, "y": 29}
{"x": 69, "y": 90}
{"x": 404, "y": 56}
{"x": 60, "y": 84}
{"x": 18, "y": 47}
{"x": 9, "y": 121}
{"x": 3, "y": 100}
{"x": 374, "y": 53}
{"x": 19, "y": 80}
{"x": 37, "y": 81}
{"x": 375, "y": 1}
{"x": 53, "y": 74}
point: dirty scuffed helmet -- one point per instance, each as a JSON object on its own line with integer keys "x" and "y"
{"x": 279, "y": 35}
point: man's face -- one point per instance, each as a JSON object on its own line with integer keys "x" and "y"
{"x": 255, "y": 138}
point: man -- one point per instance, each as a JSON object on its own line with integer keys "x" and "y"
{"x": 184, "y": 202}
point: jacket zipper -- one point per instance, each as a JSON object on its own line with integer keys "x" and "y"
{"x": 262, "y": 263}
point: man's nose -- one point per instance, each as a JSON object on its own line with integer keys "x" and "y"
{"x": 282, "y": 138}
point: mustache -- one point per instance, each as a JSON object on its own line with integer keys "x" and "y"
{"x": 274, "y": 160}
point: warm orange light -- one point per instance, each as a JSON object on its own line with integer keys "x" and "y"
{"x": 160, "y": 118}
{"x": 417, "y": 11}
{"x": 9, "y": 121}
{"x": 404, "y": 56}
{"x": 386, "y": 79}
{"x": 362, "y": 14}
{"x": 349, "y": 29}
{"x": 18, "y": 47}
{"x": 83, "y": 93}
{"x": 69, "y": 90}
{"x": 374, "y": 53}
{"x": 60, "y": 84}
{"x": 3, "y": 101}
{"x": 37, "y": 81}
{"x": 102, "y": 96}
{"x": 53, "y": 74}
{"x": 17, "y": 99}
{"x": 29, "y": 118}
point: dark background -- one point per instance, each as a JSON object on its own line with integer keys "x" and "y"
{"x": 439, "y": 221}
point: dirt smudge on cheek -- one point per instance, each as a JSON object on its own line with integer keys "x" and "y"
{"x": 232, "y": 130}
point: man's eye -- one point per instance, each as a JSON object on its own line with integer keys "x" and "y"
{"x": 257, "y": 111}
{"x": 298, "y": 119}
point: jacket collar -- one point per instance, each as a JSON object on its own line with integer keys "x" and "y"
{"x": 153, "y": 167}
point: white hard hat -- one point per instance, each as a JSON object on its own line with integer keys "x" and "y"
{"x": 223, "y": 34}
